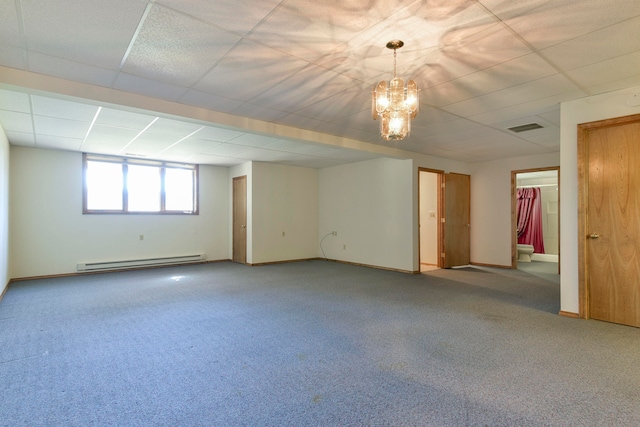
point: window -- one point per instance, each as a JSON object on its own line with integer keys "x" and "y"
{"x": 123, "y": 185}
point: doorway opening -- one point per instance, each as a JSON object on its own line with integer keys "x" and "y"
{"x": 535, "y": 221}
{"x": 429, "y": 195}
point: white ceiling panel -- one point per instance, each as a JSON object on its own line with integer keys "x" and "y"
{"x": 248, "y": 70}
{"x": 301, "y": 71}
{"x": 21, "y": 138}
{"x": 91, "y": 32}
{"x": 175, "y": 48}
{"x": 70, "y": 70}
{"x": 618, "y": 68}
{"x": 596, "y": 46}
{"x": 544, "y": 23}
{"x": 53, "y": 126}
{"x": 60, "y": 143}
{"x": 51, "y": 107}
{"x": 237, "y": 17}
{"x": 14, "y": 101}
{"x": 16, "y": 122}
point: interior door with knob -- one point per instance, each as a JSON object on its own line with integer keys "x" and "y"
{"x": 240, "y": 219}
{"x": 612, "y": 231}
{"x": 457, "y": 213}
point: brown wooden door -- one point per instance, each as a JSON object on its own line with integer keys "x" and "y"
{"x": 456, "y": 241}
{"x": 240, "y": 219}
{"x": 613, "y": 224}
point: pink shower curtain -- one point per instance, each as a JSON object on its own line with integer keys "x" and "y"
{"x": 530, "y": 218}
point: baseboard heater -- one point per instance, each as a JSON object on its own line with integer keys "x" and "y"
{"x": 146, "y": 262}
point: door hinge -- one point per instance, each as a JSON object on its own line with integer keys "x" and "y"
{"x": 442, "y": 255}
{"x": 442, "y": 220}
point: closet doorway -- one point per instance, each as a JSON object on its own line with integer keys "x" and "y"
{"x": 429, "y": 189}
{"x": 535, "y": 209}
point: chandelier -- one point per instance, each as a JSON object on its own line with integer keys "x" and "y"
{"x": 394, "y": 103}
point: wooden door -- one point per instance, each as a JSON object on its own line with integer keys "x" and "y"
{"x": 613, "y": 225}
{"x": 456, "y": 207}
{"x": 240, "y": 219}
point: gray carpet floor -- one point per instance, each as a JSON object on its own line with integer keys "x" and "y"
{"x": 313, "y": 343}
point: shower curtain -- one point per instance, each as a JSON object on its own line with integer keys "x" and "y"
{"x": 530, "y": 218}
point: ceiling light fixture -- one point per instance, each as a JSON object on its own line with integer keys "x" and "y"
{"x": 394, "y": 103}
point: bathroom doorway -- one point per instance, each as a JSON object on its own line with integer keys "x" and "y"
{"x": 535, "y": 220}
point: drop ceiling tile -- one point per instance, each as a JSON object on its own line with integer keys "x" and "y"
{"x": 21, "y": 138}
{"x": 237, "y": 17}
{"x": 526, "y": 92}
{"x": 74, "y": 29}
{"x": 295, "y": 27}
{"x": 149, "y": 143}
{"x": 218, "y": 134}
{"x": 14, "y": 101}
{"x": 9, "y": 24}
{"x": 561, "y": 20}
{"x": 109, "y": 138}
{"x": 311, "y": 85}
{"x": 191, "y": 146}
{"x": 175, "y": 129}
{"x": 252, "y": 140}
{"x": 607, "y": 71}
{"x": 112, "y": 117}
{"x": 14, "y": 57}
{"x": 249, "y": 69}
{"x": 616, "y": 85}
{"x": 60, "y": 108}
{"x": 610, "y": 42}
{"x": 149, "y": 87}
{"x": 502, "y": 76}
{"x": 175, "y": 48}
{"x": 16, "y": 122}
{"x": 59, "y": 143}
{"x": 209, "y": 159}
{"x": 209, "y": 101}
{"x": 52, "y": 126}
{"x": 259, "y": 112}
{"x": 70, "y": 70}
{"x": 227, "y": 150}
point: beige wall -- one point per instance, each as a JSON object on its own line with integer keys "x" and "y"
{"x": 50, "y": 235}
{"x": 590, "y": 109}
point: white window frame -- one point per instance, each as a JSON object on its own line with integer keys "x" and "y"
{"x": 125, "y": 162}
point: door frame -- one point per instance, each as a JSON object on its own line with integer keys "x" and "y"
{"x": 583, "y": 187}
{"x": 440, "y": 179}
{"x": 514, "y": 213}
{"x": 235, "y": 232}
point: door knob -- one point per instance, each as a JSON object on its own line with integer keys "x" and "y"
{"x": 243, "y": 226}
{"x": 594, "y": 236}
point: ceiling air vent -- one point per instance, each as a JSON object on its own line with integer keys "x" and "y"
{"x": 524, "y": 128}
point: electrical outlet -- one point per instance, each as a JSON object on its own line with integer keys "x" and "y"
{"x": 283, "y": 234}
{"x": 344, "y": 247}
{"x": 142, "y": 237}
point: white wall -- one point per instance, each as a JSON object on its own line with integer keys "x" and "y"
{"x": 50, "y": 235}
{"x": 491, "y": 206}
{"x": 590, "y": 109}
{"x": 5, "y": 273}
{"x": 373, "y": 207}
{"x": 284, "y": 200}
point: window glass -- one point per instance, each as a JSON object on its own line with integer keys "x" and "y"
{"x": 143, "y": 186}
{"x": 123, "y": 185}
{"x": 178, "y": 187}
{"x": 104, "y": 186}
